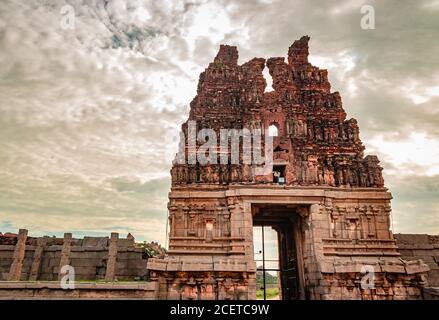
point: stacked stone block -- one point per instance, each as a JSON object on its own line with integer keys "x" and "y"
{"x": 421, "y": 247}
{"x": 93, "y": 258}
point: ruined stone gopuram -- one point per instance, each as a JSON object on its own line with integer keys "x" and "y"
{"x": 325, "y": 199}
{"x": 314, "y": 194}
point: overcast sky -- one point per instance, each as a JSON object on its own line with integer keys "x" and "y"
{"x": 89, "y": 115}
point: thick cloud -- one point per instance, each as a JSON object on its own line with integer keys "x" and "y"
{"x": 89, "y": 116}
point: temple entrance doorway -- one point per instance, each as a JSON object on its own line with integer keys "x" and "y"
{"x": 277, "y": 253}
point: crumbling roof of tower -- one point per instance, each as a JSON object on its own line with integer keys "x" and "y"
{"x": 316, "y": 142}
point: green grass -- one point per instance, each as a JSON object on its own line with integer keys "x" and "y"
{"x": 270, "y": 293}
{"x": 269, "y": 279}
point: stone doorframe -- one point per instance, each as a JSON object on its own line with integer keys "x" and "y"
{"x": 302, "y": 209}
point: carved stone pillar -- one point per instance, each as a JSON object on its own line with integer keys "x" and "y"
{"x": 19, "y": 253}
{"x": 191, "y": 223}
{"x": 38, "y": 254}
{"x": 112, "y": 257}
{"x": 65, "y": 253}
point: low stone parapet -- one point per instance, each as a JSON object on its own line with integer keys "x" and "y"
{"x": 19, "y": 290}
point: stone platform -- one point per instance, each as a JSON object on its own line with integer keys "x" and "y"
{"x": 51, "y": 290}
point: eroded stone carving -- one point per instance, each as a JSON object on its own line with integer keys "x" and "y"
{"x": 335, "y": 194}
{"x": 315, "y": 139}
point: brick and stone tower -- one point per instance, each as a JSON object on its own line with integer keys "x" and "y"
{"x": 326, "y": 200}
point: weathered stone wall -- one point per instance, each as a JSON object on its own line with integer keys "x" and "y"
{"x": 6, "y": 258}
{"x": 52, "y": 290}
{"x": 421, "y": 246}
{"x": 93, "y": 258}
{"x": 343, "y": 231}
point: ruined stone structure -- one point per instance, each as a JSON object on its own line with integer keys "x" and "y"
{"x": 421, "y": 247}
{"x": 105, "y": 267}
{"x": 24, "y": 258}
{"x": 326, "y": 200}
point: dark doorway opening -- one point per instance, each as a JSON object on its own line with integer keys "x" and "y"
{"x": 279, "y": 174}
{"x": 276, "y": 232}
